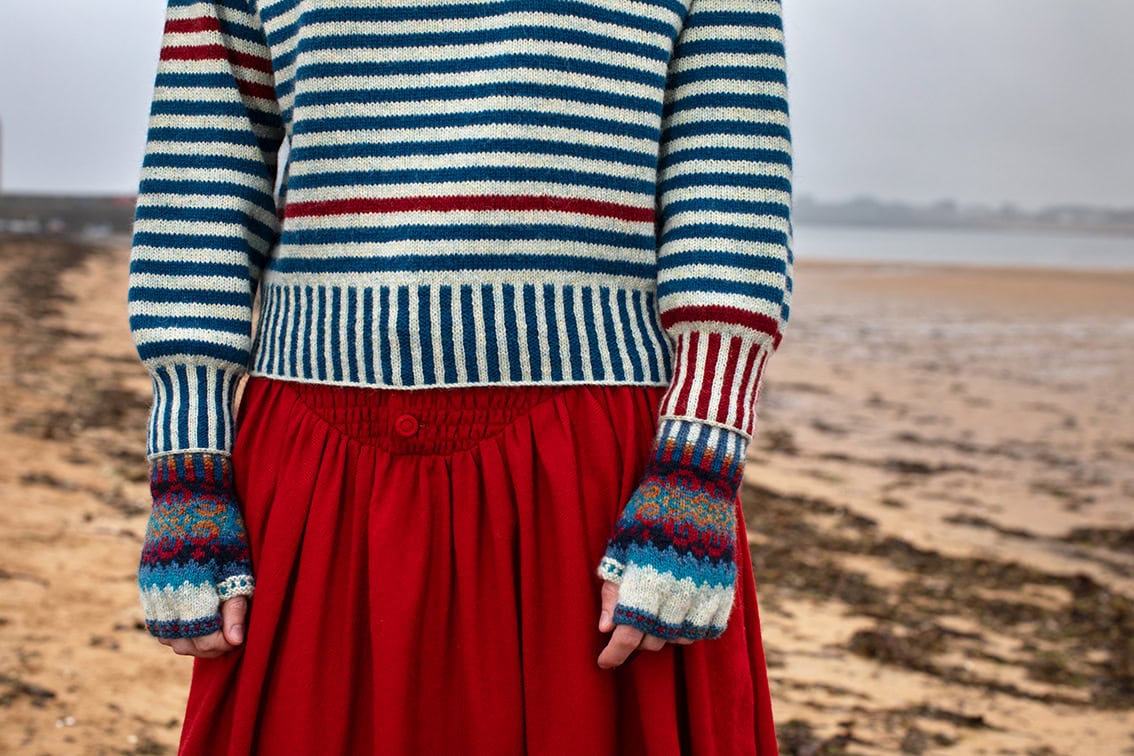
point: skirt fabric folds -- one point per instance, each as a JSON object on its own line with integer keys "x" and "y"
{"x": 424, "y": 565}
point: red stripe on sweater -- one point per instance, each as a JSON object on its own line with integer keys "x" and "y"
{"x": 727, "y": 399}
{"x": 252, "y": 89}
{"x": 758, "y": 378}
{"x": 216, "y": 52}
{"x": 706, "y": 395}
{"x": 720, "y": 314}
{"x": 192, "y": 25}
{"x": 470, "y": 202}
{"x": 746, "y": 385}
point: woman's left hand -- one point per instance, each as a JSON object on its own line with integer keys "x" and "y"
{"x": 626, "y": 639}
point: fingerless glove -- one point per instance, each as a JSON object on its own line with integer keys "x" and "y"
{"x": 195, "y": 552}
{"x": 673, "y": 550}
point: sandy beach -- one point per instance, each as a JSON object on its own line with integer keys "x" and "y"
{"x": 939, "y": 497}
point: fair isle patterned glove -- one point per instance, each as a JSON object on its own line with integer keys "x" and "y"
{"x": 195, "y": 553}
{"x": 673, "y": 551}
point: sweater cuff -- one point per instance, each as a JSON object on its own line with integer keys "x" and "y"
{"x": 717, "y": 379}
{"x": 192, "y": 409}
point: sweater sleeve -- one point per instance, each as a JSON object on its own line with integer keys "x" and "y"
{"x": 205, "y": 219}
{"x": 724, "y": 204}
{"x": 724, "y": 290}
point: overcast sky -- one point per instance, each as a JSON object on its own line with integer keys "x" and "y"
{"x": 1025, "y": 101}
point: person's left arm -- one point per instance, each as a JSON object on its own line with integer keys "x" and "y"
{"x": 724, "y": 291}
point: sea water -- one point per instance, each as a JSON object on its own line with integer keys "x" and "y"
{"x": 1058, "y": 249}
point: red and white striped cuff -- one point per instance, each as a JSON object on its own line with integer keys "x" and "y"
{"x": 717, "y": 379}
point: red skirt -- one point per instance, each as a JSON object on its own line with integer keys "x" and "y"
{"x": 425, "y": 584}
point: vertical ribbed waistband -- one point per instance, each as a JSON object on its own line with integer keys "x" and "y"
{"x": 437, "y": 420}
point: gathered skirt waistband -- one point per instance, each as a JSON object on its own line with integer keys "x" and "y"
{"x": 438, "y": 420}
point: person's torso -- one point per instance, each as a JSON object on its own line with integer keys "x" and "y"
{"x": 469, "y": 191}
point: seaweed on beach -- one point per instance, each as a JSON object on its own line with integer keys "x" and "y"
{"x": 32, "y": 299}
{"x": 797, "y": 738}
{"x": 796, "y": 557}
{"x": 1114, "y": 539}
{"x": 13, "y": 688}
{"x": 32, "y": 292}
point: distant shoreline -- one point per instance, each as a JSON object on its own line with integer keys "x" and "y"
{"x": 1121, "y": 231}
{"x": 979, "y": 248}
{"x": 999, "y": 268}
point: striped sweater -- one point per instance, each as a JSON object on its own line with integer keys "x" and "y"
{"x": 474, "y": 192}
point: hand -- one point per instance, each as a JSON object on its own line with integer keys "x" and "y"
{"x": 626, "y": 639}
{"x": 195, "y": 554}
{"x": 672, "y": 551}
{"x": 234, "y": 610}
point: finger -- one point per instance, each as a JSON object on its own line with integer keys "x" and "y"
{"x": 234, "y": 610}
{"x": 622, "y": 643}
{"x": 682, "y": 641}
{"x": 609, "y": 601}
{"x": 211, "y": 645}
{"x": 652, "y": 643}
{"x": 182, "y": 646}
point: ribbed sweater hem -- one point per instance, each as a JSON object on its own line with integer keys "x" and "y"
{"x": 428, "y": 335}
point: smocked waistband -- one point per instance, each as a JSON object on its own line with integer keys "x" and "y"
{"x": 438, "y": 420}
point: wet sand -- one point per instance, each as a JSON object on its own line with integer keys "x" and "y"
{"x": 940, "y": 502}
{"x": 941, "y": 511}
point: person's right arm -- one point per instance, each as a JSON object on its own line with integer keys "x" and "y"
{"x": 204, "y": 226}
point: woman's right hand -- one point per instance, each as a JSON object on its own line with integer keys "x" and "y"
{"x": 195, "y": 556}
{"x": 210, "y": 646}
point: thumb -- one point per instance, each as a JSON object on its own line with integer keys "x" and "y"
{"x": 609, "y": 600}
{"x": 233, "y": 613}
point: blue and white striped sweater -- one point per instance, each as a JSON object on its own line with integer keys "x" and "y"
{"x": 475, "y": 192}
{"x": 496, "y": 191}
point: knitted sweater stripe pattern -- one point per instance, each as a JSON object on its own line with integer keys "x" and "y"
{"x": 475, "y": 192}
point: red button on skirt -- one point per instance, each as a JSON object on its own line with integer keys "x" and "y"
{"x": 406, "y": 425}
{"x": 435, "y": 593}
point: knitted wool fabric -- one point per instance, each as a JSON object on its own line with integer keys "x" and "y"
{"x": 560, "y": 191}
{"x": 673, "y": 550}
{"x": 195, "y": 552}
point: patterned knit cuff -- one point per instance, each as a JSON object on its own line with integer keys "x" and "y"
{"x": 673, "y": 552}
{"x": 195, "y": 553}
